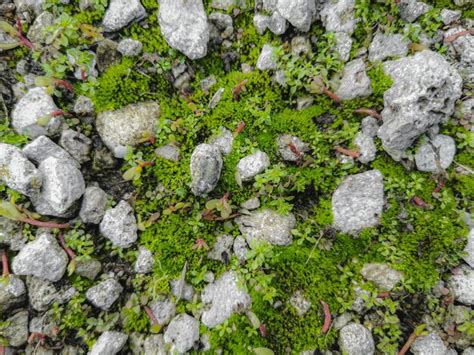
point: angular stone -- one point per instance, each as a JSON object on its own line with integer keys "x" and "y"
{"x": 94, "y": 203}
{"x": 223, "y": 141}
{"x": 251, "y": 204}
{"x": 43, "y": 148}
{"x": 382, "y": 275}
{"x": 130, "y": 47}
{"x": 298, "y": 12}
{"x": 12, "y": 293}
{"x": 343, "y": 45}
{"x": 261, "y": 23}
{"x": 83, "y": 105}
{"x": 168, "y": 152}
{"x": 354, "y": 82}
{"x": 222, "y": 298}
{"x": 285, "y": 142}
{"x": 145, "y": 261}
{"x": 240, "y": 248}
{"x": 206, "y": 166}
{"x": 430, "y": 344}
{"x": 338, "y": 16}
{"x": 436, "y": 154}
{"x": 154, "y": 345}
{"x": 461, "y": 284}
{"x": 182, "y": 333}
{"x": 370, "y": 126}
{"x": 88, "y": 268}
{"x": 109, "y": 343}
{"x": 300, "y": 303}
{"x": 266, "y": 60}
{"x": 76, "y": 144}
{"x": 252, "y": 165}
{"x": 469, "y": 249}
{"x": 16, "y": 331}
{"x": 127, "y": 126}
{"x": 42, "y": 257}
{"x": 387, "y": 45}
{"x": 36, "y": 31}
{"x": 119, "y": 225}
{"x": 104, "y": 294}
{"x": 34, "y": 6}
{"x": 358, "y": 202}
{"x": 277, "y": 24}
{"x": 184, "y": 26}
{"x": 366, "y": 147}
{"x": 222, "y": 248}
{"x": 42, "y": 293}
{"x": 11, "y": 234}
{"x": 163, "y": 311}
{"x": 182, "y": 290}
{"x": 450, "y": 16}
{"x": 355, "y": 339}
{"x": 122, "y": 12}
{"x": 410, "y": 10}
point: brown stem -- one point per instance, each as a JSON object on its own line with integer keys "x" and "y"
{"x": 6, "y": 270}
{"x": 327, "y": 317}
{"x": 455, "y": 36}
{"x": 68, "y": 250}
{"x": 37, "y": 223}
{"x": 331, "y": 95}
{"x": 348, "y": 152}
{"x": 408, "y": 344}
{"x": 370, "y": 112}
{"x": 35, "y": 335}
{"x": 150, "y": 315}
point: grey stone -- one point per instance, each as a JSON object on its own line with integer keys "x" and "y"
{"x": 284, "y": 142}
{"x": 109, "y": 343}
{"x": 252, "y": 165}
{"x": 225, "y": 4}
{"x": 343, "y": 45}
{"x": 359, "y": 303}
{"x": 94, "y": 203}
{"x": 422, "y": 96}
{"x": 298, "y": 12}
{"x": 207, "y": 83}
{"x": 355, "y": 339}
{"x": 11, "y": 234}
{"x": 266, "y": 60}
{"x": 462, "y": 48}
{"x": 216, "y": 98}
{"x": 42, "y": 257}
{"x": 342, "y": 320}
{"x": 127, "y": 126}
{"x": 280, "y": 78}
{"x": 370, "y": 126}
{"x": 106, "y": 54}
{"x": 223, "y": 23}
{"x": 36, "y": 31}
{"x": 277, "y": 23}
{"x": 304, "y": 102}
{"x": 122, "y": 12}
{"x": 300, "y": 303}
{"x": 119, "y": 225}
{"x": 206, "y": 166}
{"x": 83, "y": 105}
{"x": 267, "y": 225}
{"x": 223, "y": 141}
{"x": 410, "y": 10}
{"x": 168, "y": 152}
{"x": 154, "y": 345}
{"x": 34, "y": 6}
{"x": 251, "y": 204}
{"x": 182, "y": 333}
{"x": 382, "y": 275}
{"x": 240, "y": 248}
{"x": 17, "y": 172}
{"x": 42, "y": 293}
{"x": 354, "y": 82}
{"x": 461, "y": 284}
{"x": 430, "y": 344}
{"x": 104, "y": 294}
{"x": 387, "y": 45}
{"x": 469, "y": 249}
{"x": 463, "y": 2}
{"x": 182, "y": 290}
{"x": 62, "y": 186}
{"x": 450, "y": 16}
{"x": 43, "y": 148}
{"x": 300, "y": 45}
{"x": 88, "y": 268}
{"x": 36, "y": 104}
{"x": 130, "y": 47}
{"x": 261, "y": 23}
{"x": 16, "y": 332}
{"x": 12, "y": 293}
{"x": 184, "y": 26}
{"x": 338, "y": 16}
{"x": 358, "y": 202}
{"x": 76, "y": 144}
{"x": 145, "y": 261}
{"x": 163, "y": 311}
{"x": 222, "y": 248}
{"x": 435, "y": 154}
{"x": 366, "y": 147}
{"x": 222, "y": 298}
{"x": 468, "y": 351}
{"x": 44, "y": 324}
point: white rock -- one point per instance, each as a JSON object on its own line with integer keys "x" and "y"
{"x": 119, "y": 225}
{"x": 266, "y": 60}
{"x": 109, "y": 343}
{"x": 122, "y": 12}
{"x": 182, "y": 333}
{"x": 252, "y": 165}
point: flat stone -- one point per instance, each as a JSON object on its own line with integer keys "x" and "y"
{"x": 145, "y": 261}
{"x": 358, "y": 202}
{"x": 130, "y": 47}
{"x": 168, "y": 152}
{"x": 450, "y": 16}
{"x": 382, "y": 275}
{"x": 43, "y": 148}
{"x": 436, "y": 154}
{"x": 461, "y": 284}
{"x": 122, "y": 12}
{"x": 182, "y": 333}
{"x": 42, "y": 257}
{"x": 109, "y": 343}
{"x": 266, "y": 60}
{"x": 252, "y": 165}
{"x": 387, "y": 45}
{"x": 251, "y": 204}
{"x": 430, "y": 344}
{"x": 104, "y": 294}
{"x": 298, "y": 12}
{"x": 94, "y": 203}
{"x": 354, "y": 82}
{"x": 285, "y": 142}
{"x": 76, "y": 144}
{"x": 338, "y": 16}
{"x": 277, "y": 23}
{"x": 12, "y": 293}
{"x": 410, "y": 10}
{"x": 206, "y": 166}
{"x": 355, "y": 339}
{"x": 119, "y": 225}
{"x": 16, "y": 332}
{"x": 222, "y": 298}
{"x": 366, "y": 147}
{"x": 163, "y": 311}
{"x": 300, "y": 303}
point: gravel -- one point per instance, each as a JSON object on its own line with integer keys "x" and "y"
{"x": 109, "y": 343}
{"x": 119, "y": 225}
{"x": 355, "y": 339}
{"x": 182, "y": 333}
{"x": 252, "y": 165}
{"x": 122, "y": 12}
{"x": 104, "y": 294}
{"x": 206, "y": 166}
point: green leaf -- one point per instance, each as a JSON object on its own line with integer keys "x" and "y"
{"x": 212, "y": 204}
{"x": 9, "y": 210}
{"x": 6, "y": 27}
{"x": 262, "y": 351}
{"x": 130, "y": 174}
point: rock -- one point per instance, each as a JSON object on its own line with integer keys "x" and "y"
{"x": 422, "y": 96}
{"x": 83, "y": 106}
{"x": 366, "y": 147}
{"x": 42, "y": 257}
{"x": 277, "y": 23}
{"x": 207, "y": 83}
{"x": 32, "y": 107}
{"x": 461, "y": 284}
{"x": 300, "y": 303}
{"x": 252, "y": 165}
{"x": 382, "y": 275}
{"x": 225, "y": 4}
{"x": 11, "y": 234}
{"x": 182, "y": 333}
{"x": 62, "y": 186}
{"x": 342, "y": 320}
{"x": 468, "y": 351}
{"x": 266, "y": 60}
{"x": 370, "y": 126}
{"x": 354, "y": 82}
{"x": 450, "y": 16}
{"x": 42, "y": 293}
{"x": 251, "y": 204}
{"x": 44, "y": 324}
{"x": 355, "y": 339}
{"x": 94, "y": 203}
{"x": 261, "y": 23}
{"x": 410, "y": 10}
{"x": 127, "y": 126}
{"x": 119, "y": 225}
{"x": 163, "y": 311}
{"x": 76, "y": 144}
{"x": 343, "y": 45}
{"x": 109, "y": 343}
{"x": 34, "y": 6}
{"x": 300, "y": 46}
{"x": 387, "y": 45}
{"x": 184, "y": 26}
{"x": 304, "y": 102}
{"x": 168, "y": 152}
{"x": 223, "y": 141}
{"x": 267, "y": 225}
{"x": 154, "y": 345}
{"x": 222, "y": 249}
{"x": 104, "y": 294}
{"x": 122, "y": 12}
{"x": 430, "y": 344}
{"x": 338, "y": 16}
{"x": 358, "y": 202}
{"x": 222, "y": 23}
{"x": 43, "y": 148}
{"x": 106, "y": 54}
{"x": 182, "y": 290}
{"x": 12, "y": 293}
{"x": 130, "y": 47}
{"x": 240, "y": 249}
{"x": 284, "y": 142}
{"x": 469, "y": 249}
{"x": 435, "y": 155}
{"x": 462, "y": 49}
{"x": 36, "y": 32}
{"x": 359, "y": 303}
{"x": 216, "y": 98}
{"x": 16, "y": 330}
{"x": 298, "y": 12}
{"x": 222, "y": 298}
{"x": 206, "y": 166}
{"x": 88, "y": 268}
{"x": 17, "y": 172}
{"x": 145, "y": 261}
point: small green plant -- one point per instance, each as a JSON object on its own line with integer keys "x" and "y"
{"x": 221, "y": 205}
{"x": 11, "y": 211}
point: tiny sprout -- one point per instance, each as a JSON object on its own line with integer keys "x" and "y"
{"x": 239, "y": 128}
{"x": 135, "y": 172}
{"x": 200, "y": 244}
{"x": 10, "y": 210}
{"x": 317, "y": 87}
{"x": 222, "y": 205}
{"x": 16, "y": 33}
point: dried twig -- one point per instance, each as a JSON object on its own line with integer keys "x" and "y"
{"x": 348, "y": 152}
{"x": 370, "y": 112}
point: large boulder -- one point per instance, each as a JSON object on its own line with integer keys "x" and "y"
{"x": 122, "y": 12}
{"x": 206, "y": 166}
{"x": 127, "y": 126}
{"x": 358, "y": 202}
{"x": 119, "y": 225}
{"x": 422, "y": 96}
{"x": 184, "y": 25}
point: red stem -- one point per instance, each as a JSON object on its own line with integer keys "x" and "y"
{"x": 370, "y": 112}
{"x": 68, "y": 86}
{"x": 6, "y": 270}
{"x": 35, "y": 335}
{"x": 23, "y": 40}
{"x": 408, "y": 344}
{"x": 419, "y": 202}
{"x": 2, "y": 350}
{"x": 150, "y": 315}
{"x": 348, "y": 152}
{"x": 239, "y": 128}
{"x": 439, "y": 186}
{"x": 331, "y": 95}
{"x": 37, "y": 223}
{"x": 143, "y": 164}
{"x": 263, "y": 330}
{"x": 327, "y": 317}
{"x": 68, "y": 250}
{"x": 455, "y": 36}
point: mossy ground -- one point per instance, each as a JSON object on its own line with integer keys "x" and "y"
{"x": 323, "y": 264}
